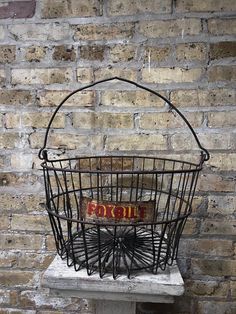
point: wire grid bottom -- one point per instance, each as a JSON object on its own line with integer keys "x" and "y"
{"x": 127, "y": 251}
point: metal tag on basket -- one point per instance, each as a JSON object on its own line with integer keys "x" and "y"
{"x": 108, "y": 211}
{"x": 119, "y": 214}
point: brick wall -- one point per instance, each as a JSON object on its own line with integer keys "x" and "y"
{"x": 183, "y": 48}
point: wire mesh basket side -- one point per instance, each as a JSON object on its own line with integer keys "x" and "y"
{"x": 111, "y": 245}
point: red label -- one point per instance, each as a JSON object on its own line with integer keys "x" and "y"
{"x": 125, "y": 212}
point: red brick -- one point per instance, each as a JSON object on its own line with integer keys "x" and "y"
{"x": 17, "y": 9}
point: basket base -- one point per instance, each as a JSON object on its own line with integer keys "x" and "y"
{"x": 128, "y": 250}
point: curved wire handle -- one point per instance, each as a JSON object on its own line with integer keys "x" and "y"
{"x": 43, "y": 152}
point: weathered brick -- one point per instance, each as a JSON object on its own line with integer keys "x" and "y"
{"x": 212, "y": 141}
{"x": 30, "y": 223}
{"x": 22, "y": 161}
{"x": 50, "y": 311}
{"x": 17, "y": 9}
{"x": 170, "y": 28}
{"x": 191, "y": 226}
{"x": 9, "y": 140}
{"x": 14, "y": 311}
{"x": 35, "y": 53}
{"x": 223, "y": 205}
{"x": 221, "y": 119}
{"x": 21, "y": 241}
{"x": 223, "y": 49}
{"x": 207, "y": 288}
{"x": 21, "y": 202}
{"x": 15, "y": 97}
{"x": 157, "y": 53}
{"x": 222, "y": 26}
{"x": 123, "y": 7}
{"x": 198, "y": 204}
{"x": 8, "y": 297}
{"x": 217, "y": 307}
{"x": 33, "y": 260}
{"x": 136, "y": 142}
{"x": 185, "y": 98}
{"x": 219, "y": 227}
{"x": 64, "y": 53}
{"x": 169, "y": 120}
{"x": 15, "y": 180}
{"x": 191, "y": 52}
{"x": 48, "y": 98}
{"x": 68, "y": 141}
{"x": 92, "y": 52}
{"x": 222, "y": 73}
{"x": 4, "y": 222}
{"x": 103, "y": 31}
{"x": 205, "y": 6}
{"x": 29, "y": 298}
{"x": 84, "y": 75}
{"x": 40, "y": 32}
{"x": 16, "y": 278}
{"x": 34, "y": 120}
{"x": 183, "y": 141}
{"x": 2, "y": 32}
{"x": 7, "y": 53}
{"x": 89, "y": 120}
{"x": 2, "y": 161}
{"x": 196, "y": 98}
{"x": 7, "y": 310}
{"x": 103, "y": 73}
{"x": 216, "y": 183}
{"x": 225, "y": 162}
{"x": 233, "y": 288}
{"x": 170, "y": 75}
{"x": 42, "y": 76}
{"x": 214, "y": 268}
{"x": 7, "y": 259}
{"x": 122, "y": 53}
{"x": 2, "y": 76}
{"x": 24, "y": 260}
{"x": 73, "y": 8}
{"x": 50, "y": 243}
{"x": 134, "y": 99}
{"x": 207, "y": 247}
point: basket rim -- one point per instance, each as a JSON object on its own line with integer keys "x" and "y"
{"x": 198, "y": 166}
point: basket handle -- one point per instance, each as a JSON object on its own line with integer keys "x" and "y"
{"x": 43, "y": 152}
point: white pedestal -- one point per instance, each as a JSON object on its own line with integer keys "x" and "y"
{"x": 113, "y": 296}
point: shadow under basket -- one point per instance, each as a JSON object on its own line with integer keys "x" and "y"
{"x": 119, "y": 214}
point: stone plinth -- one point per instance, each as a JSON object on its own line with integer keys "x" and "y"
{"x": 113, "y": 296}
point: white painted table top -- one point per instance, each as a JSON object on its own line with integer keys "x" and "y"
{"x": 145, "y": 287}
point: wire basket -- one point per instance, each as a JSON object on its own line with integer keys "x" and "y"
{"x": 119, "y": 214}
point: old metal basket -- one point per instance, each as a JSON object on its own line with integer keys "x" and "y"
{"x": 119, "y": 214}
